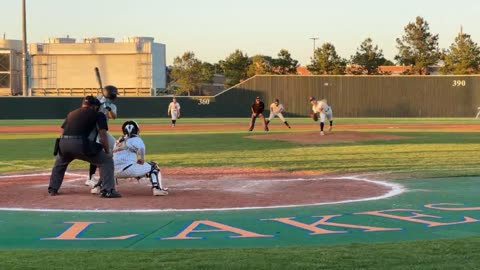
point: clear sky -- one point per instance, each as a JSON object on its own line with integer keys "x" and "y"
{"x": 213, "y": 29}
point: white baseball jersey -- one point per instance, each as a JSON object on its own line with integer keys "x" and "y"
{"x": 317, "y": 108}
{"x": 126, "y": 153}
{"x": 103, "y": 109}
{"x": 324, "y": 110}
{"x": 106, "y": 103}
{"x": 276, "y": 109}
{"x": 174, "y": 110}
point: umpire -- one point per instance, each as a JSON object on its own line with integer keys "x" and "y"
{"x": 75, "y": 143}
{"x": 257, "y": 109}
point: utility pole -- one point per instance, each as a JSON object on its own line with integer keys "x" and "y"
{"x": 24, "y": 50}
{"x": 314, "y": 38}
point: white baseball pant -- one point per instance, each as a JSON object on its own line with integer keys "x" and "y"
{"x": 272, "y": 115}
{"x": 140, "y": 170}
{"x": 328, "y": 115}
{"x": 174, "y": 114}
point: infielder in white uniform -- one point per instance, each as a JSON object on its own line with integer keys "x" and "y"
{"x": 174, "y": 111}
{"x": 108, "y": 108}
{"x": 276, "y": 109}
{"x": 129, "y": 159}
{"x": 321, "y": 107}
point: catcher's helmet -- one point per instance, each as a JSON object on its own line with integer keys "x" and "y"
{"x": 90, "y": 101}
{"x": 110, "y": 92}
{"x": 130, "y": 128}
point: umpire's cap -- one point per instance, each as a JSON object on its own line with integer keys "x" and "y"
{"x": 90, "y": 101}
{"x": 110, "y": 92}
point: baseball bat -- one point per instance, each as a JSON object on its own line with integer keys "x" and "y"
{"x": 99, "y": 78}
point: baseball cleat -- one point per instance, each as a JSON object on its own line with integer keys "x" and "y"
{"x": 321, "y": 133}
{"x": 95, "y": 191}
{"x": 52, "y": 192}
{"x": 159, "y": 192}
{"x": 110, "y": 194}
{"x": 91, "y": 181}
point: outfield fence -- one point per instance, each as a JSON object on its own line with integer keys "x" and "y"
{"x": 349, "y": 96}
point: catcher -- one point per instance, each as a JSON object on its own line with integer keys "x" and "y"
{"x": 321, "y": 108}
{"x": 129, "y": 160}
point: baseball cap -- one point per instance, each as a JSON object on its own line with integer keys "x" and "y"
{"x": 257, "y": 98}
{"x": 91, "y": 101}
{"x": 311, "y": 98}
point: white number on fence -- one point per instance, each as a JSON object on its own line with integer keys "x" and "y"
{"x": 203, "y": 101}
{"x": 457, "y": 83}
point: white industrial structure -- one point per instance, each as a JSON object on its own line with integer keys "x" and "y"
{"x": 60, "y": 66}
{"x": 10, "y": 67}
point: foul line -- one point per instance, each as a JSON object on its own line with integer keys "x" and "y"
{"x": 395, "y": 189}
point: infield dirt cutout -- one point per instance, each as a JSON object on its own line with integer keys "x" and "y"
{"x": 199, "y": 189}
{"x": 193, "y": 189}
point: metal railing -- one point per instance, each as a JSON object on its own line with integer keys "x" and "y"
{"x": 73, "y": 92}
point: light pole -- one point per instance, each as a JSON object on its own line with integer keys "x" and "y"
{"x": 314, "y": 38}
{"x": 24, "y": 50}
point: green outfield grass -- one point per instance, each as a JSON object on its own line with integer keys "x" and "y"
{"x": 418, "y": 255}
{"x": 423, "y": 153}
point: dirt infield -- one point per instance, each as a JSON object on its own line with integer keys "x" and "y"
{"x": 190, "y": 188}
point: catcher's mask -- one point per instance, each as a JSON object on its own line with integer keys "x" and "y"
{"x": 110, "y": 92}
{"x": 130, "y": 128}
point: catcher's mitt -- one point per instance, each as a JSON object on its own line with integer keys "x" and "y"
{"x": 314, "y": 116}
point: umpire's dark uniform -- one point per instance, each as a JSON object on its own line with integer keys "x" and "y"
{"x": 257, "y": 109}
{"x": 76, "y": 144}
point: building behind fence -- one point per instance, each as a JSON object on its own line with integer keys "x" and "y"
{"x": 64, "y": 67}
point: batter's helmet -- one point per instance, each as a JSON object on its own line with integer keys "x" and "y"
{"x": 130, "y": 128}
{"x": 110, "y": 92}
{"x": 90, "y": 101}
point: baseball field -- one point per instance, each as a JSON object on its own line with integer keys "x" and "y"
{"x": 376, "y": 193}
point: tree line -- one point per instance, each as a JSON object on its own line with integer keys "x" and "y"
{"x": 418, "y": 49}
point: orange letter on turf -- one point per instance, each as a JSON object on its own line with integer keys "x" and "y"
{"x": 183, "y": 235}
{"x": 436, "y": 206}
{"x": 414, "y": 217}
{"x": 78, "y": 227}
{"x": 324, "y": 221}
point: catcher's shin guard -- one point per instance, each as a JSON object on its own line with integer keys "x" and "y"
{"x": 155, "y": 176}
